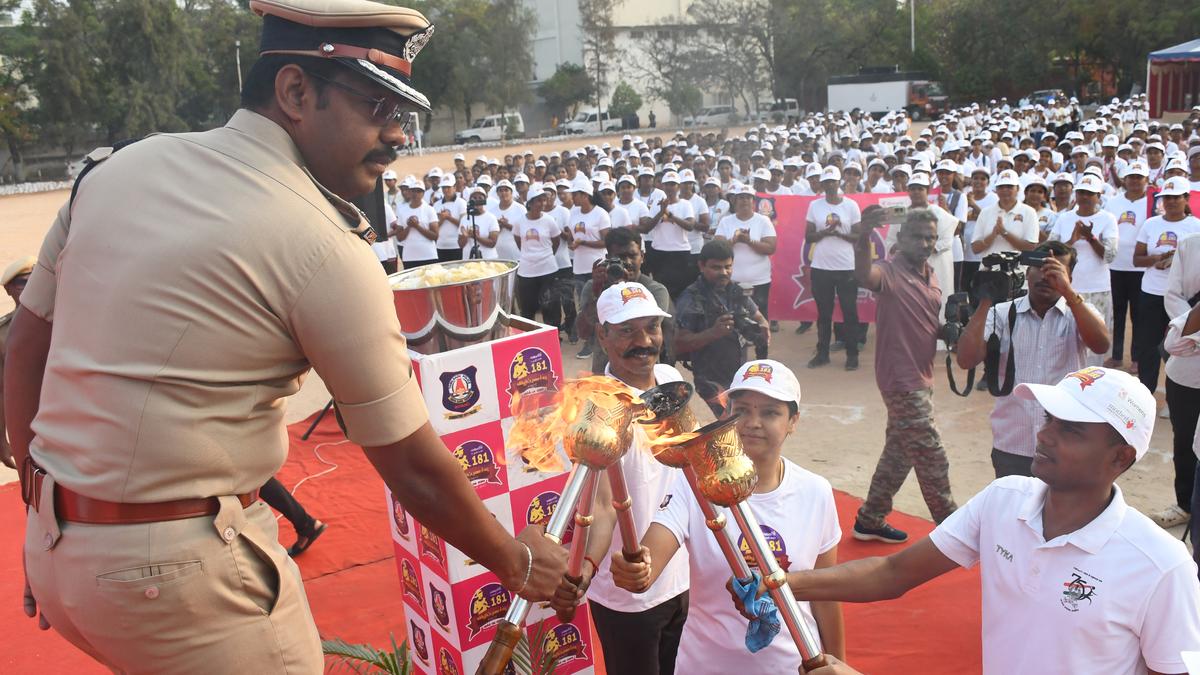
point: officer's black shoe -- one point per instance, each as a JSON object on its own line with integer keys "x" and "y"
{"x": 818, "y": 361}
{"x": 852, "y": 362}
{"x": 803, "y": 327}
{"x": 887, "y": 534}
{"x": 837, "y": 346}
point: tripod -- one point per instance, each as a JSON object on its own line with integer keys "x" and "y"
{"x": 315, "y": 422}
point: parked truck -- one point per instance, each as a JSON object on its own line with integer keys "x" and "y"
{"x": 881, "y": 90}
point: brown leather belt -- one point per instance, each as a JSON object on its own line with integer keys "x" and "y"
{"x": 75, "y": 508}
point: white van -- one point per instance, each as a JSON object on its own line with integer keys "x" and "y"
{"x": 492, "y": 128}
{"x": 586, "y": 122}
{"x": 781, "y": 111}
{"x": 712, "y": 116}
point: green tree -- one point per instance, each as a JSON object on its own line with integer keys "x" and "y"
{"x": 625, "y": 101}
{"x": 507, "y": 53}
{"x": 599, "y": 40}
{"x": 566, "y": 89}
{"x": 684, "y": 99}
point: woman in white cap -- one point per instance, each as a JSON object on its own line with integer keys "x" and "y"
{"x": 538, "y": 237}
{"x": 796, "y": 510}
{"x": 1156, "y": 244}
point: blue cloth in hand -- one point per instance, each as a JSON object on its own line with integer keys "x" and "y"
{"x": 765, "y": 625}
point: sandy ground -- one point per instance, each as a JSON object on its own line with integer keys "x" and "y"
{"x": 843, "y": 418}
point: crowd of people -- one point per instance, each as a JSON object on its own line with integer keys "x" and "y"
{"x": 1052, "y": 226}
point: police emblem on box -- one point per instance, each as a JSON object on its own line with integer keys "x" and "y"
{"x": 411, "y": 583}
{"x": 478, "y": 462}
{"x": 460, "y": 393}
{"x": 564, "y": 643}
{"x": 446, "y": 665}
{"x": 489, "y": 603}
{"x": 774, "y": 542}
{"x": 420, "y": 645}
{"x": 440, "y": 611}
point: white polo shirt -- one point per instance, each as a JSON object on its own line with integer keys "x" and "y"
{"x": 1115, "y": 597}
{"x": 649, "y": 481}
{"x": 1020, "y": 220}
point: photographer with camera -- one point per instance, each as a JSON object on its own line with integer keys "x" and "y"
{"x": 479, "y": 231}
{"x": 1046, "y": 334}
{"x": 717, "y": 322}
{"x": 622, "y": 262}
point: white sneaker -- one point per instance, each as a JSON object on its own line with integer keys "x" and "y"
{"x": 1170, "y": 517}
{"x": 1165, "y": 413}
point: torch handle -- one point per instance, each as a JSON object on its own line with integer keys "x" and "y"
{"x": 621, "y": 501}
{"x": 519, "y": 609}
{"x": 781, "y": 593}
{"x": 500, "y": 651}
{"x": 716, "y": 522}
{"x": 579, "y": 542}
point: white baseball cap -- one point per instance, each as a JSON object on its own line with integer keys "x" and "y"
{"x": 582, "y": 184}
{"x": 830, "y": 173}
{"x": 1089, "y": 183}
{"x": 624, "y": 301}
{"x": 447, "y": 180}
{"x": 1008, "y": 178}
{"x": 389, "y": 175}
{"x": 1095, "y": 394}
{"x": 1175, "y": 186}
{"x": 920, "y": 179}
{"x": 768, "y": 377}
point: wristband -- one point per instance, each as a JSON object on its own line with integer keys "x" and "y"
{"x": 595, "y": 567}
{"x": 1076, "y": 300}
{"x": 528, "y": 568}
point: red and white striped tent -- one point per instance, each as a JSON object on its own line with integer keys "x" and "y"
{"x": 1173, "y": 78}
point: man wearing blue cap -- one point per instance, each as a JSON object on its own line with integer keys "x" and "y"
{"x": 163, "y": 389}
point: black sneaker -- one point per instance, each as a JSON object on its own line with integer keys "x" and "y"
{"x": 774, "y": 326}
{"x": 818, "y": 361}
{"x": 887, "y": 534}
{"x": 803, "y": 327}
{"x": 586, "y": 352}
{"x": 852, "y": 362}
{"x": 837, "y": 346}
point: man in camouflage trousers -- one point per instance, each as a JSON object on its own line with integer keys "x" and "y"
{"x": 907, "y": 318}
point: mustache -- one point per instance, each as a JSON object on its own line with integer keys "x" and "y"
{"x": 385, "y": 155}
{"x": 637, "y": 352}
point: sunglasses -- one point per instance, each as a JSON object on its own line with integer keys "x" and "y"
{"x": 383, "y": 111}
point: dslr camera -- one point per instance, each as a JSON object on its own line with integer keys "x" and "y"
{"x": 608, "y": 271}
{"x": 474, "y": 208}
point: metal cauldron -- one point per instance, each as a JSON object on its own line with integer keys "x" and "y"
{"x": 435, "y": 319}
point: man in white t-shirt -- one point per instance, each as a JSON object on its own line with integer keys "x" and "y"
{"x": 832, "y": 229}
{"x": 1073, "y": 580}
{"x": 638, "y": 633}
{"x": 1093, "y": 233}
{"x": 1007, "y": 225}
{"x": 450, "y": 210}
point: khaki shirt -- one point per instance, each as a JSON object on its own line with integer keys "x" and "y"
{"x": 192, "y": 285}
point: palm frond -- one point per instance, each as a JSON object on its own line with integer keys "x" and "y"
{"x": 364, "y": 659}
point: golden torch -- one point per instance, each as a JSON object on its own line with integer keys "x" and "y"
{"x": 718, "y": 472}
{"x": 596, "y": 439}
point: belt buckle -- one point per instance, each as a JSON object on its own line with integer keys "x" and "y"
{"x": 31, "y": 489}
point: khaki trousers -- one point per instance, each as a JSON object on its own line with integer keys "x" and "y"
{"x": 216, "y": 594}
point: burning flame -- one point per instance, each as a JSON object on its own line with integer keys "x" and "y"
{"x": 542, "y": 417}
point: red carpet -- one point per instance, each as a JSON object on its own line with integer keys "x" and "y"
{"x": 351, "y": 579}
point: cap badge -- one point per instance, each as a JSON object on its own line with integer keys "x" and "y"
{"x": 1087, "y": 376}
{"x": 758, "y": 370}
{"x": 416, "y": 42}
{"x": 630, "y": 292}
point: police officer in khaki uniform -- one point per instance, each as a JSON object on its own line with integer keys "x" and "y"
{"x": 13, "y": 280}
{"x": 162, "y": 331}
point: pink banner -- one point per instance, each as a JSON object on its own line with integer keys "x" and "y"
{"x": 791, "y": 293}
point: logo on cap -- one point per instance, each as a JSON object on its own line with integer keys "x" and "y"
{"x": 762, "y": 370}
{"x": 460, "y": 394}
{"x": 1087, "y": 376}
{"x": 489, "y": 603}
{"x": 630, "y": 292}
{"x": 478, "y": 462}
